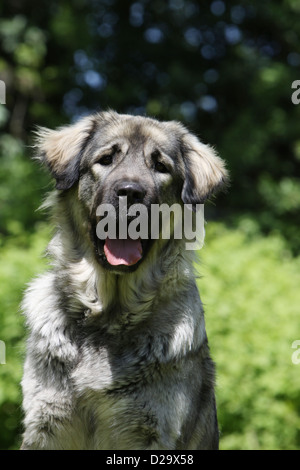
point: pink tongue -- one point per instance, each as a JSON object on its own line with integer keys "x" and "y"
{"x": 126, "y": 252}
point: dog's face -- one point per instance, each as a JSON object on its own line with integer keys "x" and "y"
{"x": 111, "y": 158}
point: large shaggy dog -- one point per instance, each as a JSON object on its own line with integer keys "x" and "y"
{"x": 117, "y": 354}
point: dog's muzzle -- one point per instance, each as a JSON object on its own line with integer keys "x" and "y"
{"x": 123, "y": 250}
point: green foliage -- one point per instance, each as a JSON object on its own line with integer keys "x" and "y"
{"x": 250, "y": 290}
{"x": 21, "y": 259}
{"x": 22, "y": 184}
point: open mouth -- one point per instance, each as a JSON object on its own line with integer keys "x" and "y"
{"x": 121, "y": 255}
{"x": 123, "y": 252}
{"x": 116, "y": 252}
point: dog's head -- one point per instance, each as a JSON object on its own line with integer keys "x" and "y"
{"x": 109, "y": 159}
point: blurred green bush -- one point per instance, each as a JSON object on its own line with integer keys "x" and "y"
{"x": 251, "y": 295}
{"x": 21, "y": 259}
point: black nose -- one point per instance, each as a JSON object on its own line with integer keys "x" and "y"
{"x": 134, "y": 192}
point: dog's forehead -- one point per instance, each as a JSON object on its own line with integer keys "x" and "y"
{"x": 140, "y": 131}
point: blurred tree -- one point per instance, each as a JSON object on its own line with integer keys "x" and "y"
{"x": 224, "y": 68}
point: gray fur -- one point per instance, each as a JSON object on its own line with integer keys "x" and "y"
{"x": 118, "y": 360}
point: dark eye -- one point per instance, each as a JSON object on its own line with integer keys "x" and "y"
{"x": 108, "y": 157}
{"x": 106, "y": 160}
{"x": 161, "y": 168}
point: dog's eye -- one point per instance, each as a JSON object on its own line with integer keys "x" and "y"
{"x": 108, "y": 157}
{"x": 158, "y": 166}
{"x": 106, "y": 160}
{"x": 161, "y": 168}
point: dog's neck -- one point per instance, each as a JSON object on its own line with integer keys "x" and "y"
{"x": 96, "y": 290}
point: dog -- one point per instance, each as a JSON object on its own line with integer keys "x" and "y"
{"x": 117, "y": 356}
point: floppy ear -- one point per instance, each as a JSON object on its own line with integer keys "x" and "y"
{"x": 62, "y": 149}
{"x": 205, "y": 172}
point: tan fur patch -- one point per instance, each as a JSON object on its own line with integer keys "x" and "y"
{"x": 207, "y": 169}
{"x": 61, "y": 145}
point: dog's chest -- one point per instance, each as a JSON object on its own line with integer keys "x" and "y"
{"x": 114, "y": 398}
